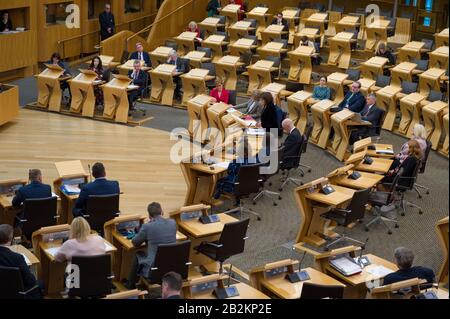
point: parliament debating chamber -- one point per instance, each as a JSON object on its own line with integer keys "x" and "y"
{"x": 224, "y": 149}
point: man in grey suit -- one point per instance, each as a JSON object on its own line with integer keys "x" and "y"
{"x": 252, "y": 108}
{"x": 157, "y": 231}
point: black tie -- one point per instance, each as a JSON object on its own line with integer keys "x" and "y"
{"x": 366, "y": 110}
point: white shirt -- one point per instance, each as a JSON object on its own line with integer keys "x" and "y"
{"x": 292, "y": 130}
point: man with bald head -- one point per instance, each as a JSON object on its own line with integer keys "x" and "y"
{"x": 292, "y": 145}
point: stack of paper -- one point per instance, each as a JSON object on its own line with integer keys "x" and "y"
{"x": 222, "y": 165}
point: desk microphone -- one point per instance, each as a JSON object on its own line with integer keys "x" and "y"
{"x": 363, "y": 261}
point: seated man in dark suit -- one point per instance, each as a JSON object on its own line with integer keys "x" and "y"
{"x": 101, "y": 186}
{"x": 171, "y": 286}
{"x": 141, "y": 55}
{"x": 157, "y": 231}
{"x": 354, "y": 99}
{"x": 34, "y": 190}
{"x": 371, "y": 113}
{"x": 404, "y": 258}
{"x": 279, "y": 20}
{"x": 139, "y": 78}
{"x": 292, "y": 145}
{"x": 8, "y": 258}
{"x": 181, "y": 67}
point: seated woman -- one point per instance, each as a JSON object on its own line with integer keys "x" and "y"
{"x": 219, "y": 92}
{"x": 269, "y": 117}
{"x": 193, "y": 27}
{"x": 322, "y": 91}
{"x": 408, "y": 164}
{"x": 382, "y": 51}
{"x": 252, "y": 107}
{"x": 56, "y": 60}
{"x": 97, "y": 67}
{"x": 243, "y": 158}
{"x": 420, "y": 135}
{"x": 81, "y": 242}
{"x": 5, "y": 22}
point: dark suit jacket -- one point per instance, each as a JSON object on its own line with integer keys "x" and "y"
{"x": 292, "y": 146}
{"x": 181, "y": 67}
{"x": 175, "y": 297}
{"x": 101, "y": 186}
{"x": 410, "y": 273}
{"x": 106, "y": 21}
{"x": 375, "y": 117}
{"x": 356, "y": 104}
{"x": 140, "y": 80}
{"x": 8, "y": 258}
{"x": 269, "y": 118}
{"x": 4, "y": 26}
{"x": 284, "y": 22}
{"x": 33, "y": 190}
{"x": 146, "y": 56}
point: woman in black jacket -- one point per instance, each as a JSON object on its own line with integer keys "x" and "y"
{"x": 269, "y": 114}
{"x": 408, "y": 165}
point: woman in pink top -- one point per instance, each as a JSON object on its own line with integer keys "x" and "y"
{"x": 219, "y": 92}
{"x": 81, "y": 242}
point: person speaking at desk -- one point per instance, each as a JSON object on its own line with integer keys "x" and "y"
{"x": 140, "y": 79}
{"x": 56, "y": 60}
{"x": 100, "y": 186}
{"x": 354, "y": 99}
{"x": 141, "y": 55}
{"x": 371, "y": 113}
{"x": 219, "y": 93}
{"x": 97, "y": 67}
{"x": 157, "y": 231}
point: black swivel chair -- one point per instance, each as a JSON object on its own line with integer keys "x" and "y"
{"x": 38, "y": 213}
{"x": 343, "y": 217}
{"x": 409, "y": 87}
{"x": 382, "y": 81}
{"x": 276, "y": 64}
{"x": 223, "y": 33}
{"x": 170, "y": 257}
{"x": 428, "y": 44}
{"x": 12, "y": 285}
{"x": 422, "y": 65}
{"x": 276, "y": 154}
{"x": 171, "y": 44}
{"x": 208, "y": 51}
{"x": 353, "y": 74}
{"x": 435, "y": 96}
{"x": 231, "y": 243}
{"x": 294, "y": 163}
{"x": 252, "y": 22}
{"x": 407, "y": 183}
{"x": 247, "y": 182}
{"x": 422, "y": 170}
{"x": 232, "y": 96}
{"x": 100, "y": 209}
{"x": 378, "y": 199}
{"x": 212, "y": 71}
{"x": 93, "y": 274}
{"x": 337, "y": 8}
{"x": 314, "y": 291}
{"x": 305, "y": 147}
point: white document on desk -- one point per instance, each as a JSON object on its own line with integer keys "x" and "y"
{"x": 26, "y": 260}
{"x": 223, "y": 165}
{"x": 231, "y": 110}
{"x": 379, "y": 271}
{"x": 52, "y": 251}
{"x": 108, "y": 247}
{"x": 133, "y": 87}
{"x": 256, "y": 131}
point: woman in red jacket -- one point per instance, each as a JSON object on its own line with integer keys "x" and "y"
{"x": 219, "y": 92}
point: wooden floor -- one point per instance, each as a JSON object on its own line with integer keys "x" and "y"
{"x": 137, "y": 157}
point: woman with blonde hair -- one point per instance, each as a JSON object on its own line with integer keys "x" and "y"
{"x": 81, "y": 242}
{"x": 219, "y": 92}
{"x": 419, "y": 134}
{"x": 408, "y": 165}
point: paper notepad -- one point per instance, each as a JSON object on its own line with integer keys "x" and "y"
{"x": 26, "y": 260}
{"x": 256, "y": 131}
{"x": 379, "y": 271}
{"x": 52, "y": 251}
{"x": 222, "y": 165}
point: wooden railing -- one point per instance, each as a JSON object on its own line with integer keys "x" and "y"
{"x": 148, "y": 28}
{"x": 61, "y": 44}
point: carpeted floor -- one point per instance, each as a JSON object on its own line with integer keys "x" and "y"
{"x": 271, "y": 238}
